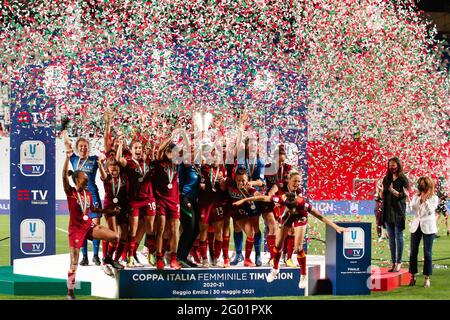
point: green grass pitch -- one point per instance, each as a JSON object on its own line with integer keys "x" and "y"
{"x": 380, "y": 257}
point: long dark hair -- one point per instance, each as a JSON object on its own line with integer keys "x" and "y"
{"x": 74, "y": 174}
{"x": 389, "y": 178}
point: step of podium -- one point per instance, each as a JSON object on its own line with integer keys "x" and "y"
{"x": 382, "y": 280}
{"x": 23, "y": 285}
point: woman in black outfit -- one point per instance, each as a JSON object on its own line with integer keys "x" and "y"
{"x": 394, "y": 209}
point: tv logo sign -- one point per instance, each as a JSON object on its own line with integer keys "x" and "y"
{"x": 32, "y": 236}
{"x": 37, "y": 119}
{"x": 32, "y": 158}
{"x": 354, "y": 243}
{"x": 38, "y": 196}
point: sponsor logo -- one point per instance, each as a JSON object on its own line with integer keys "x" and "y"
{"x": 32, "y": 158}
{"x": 36, "y": 119}
{"x": 32, "y": 236}
{"x": 37, "y": 197}
{"x": 354, "y": 243}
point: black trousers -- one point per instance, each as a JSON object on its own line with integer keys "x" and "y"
{"x": 190, "y": 222}
{"x": 427, "y": 252}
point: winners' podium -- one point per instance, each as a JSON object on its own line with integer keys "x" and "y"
{"x": 348, "y": 259}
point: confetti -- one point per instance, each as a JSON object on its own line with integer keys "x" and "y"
{"x": 366, "y": 75}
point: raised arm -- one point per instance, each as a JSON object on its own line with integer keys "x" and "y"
{"x": 65, "y": 172}
{"x": 101, "y": 168}
{"x": 107, "y": 134}
{"x": 162, "y": 147}
{"x": 322, "y": 218}
{"x": 119, "y": 157}
{"x": 66, "y": 139}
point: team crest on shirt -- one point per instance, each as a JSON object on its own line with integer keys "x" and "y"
{"x": 235, "y": 195}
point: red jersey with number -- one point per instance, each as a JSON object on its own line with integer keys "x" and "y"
{"x": 211, "y": 177}
{"x": 79, "y": 220}
{"x": 139, "y": 179}
{"x": 166, "y": 174}
{"x": 118, "y": 190}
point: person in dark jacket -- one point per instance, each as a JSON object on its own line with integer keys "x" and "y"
{"x": 394, "y": 209}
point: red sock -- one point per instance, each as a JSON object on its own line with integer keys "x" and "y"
{"x": 104, "y": 248}
{"x": 290, "y": 246}
{"x": 217, "y": 248}
{"x": 248, "y": 247}
{"x": 125, "y": 251}
{"x": 276, "y": 257}
{"x": 211, "y": 242}
{"x": 271, "y": 244}
{"x": 119, "y": 250}
{"x": 111, "y": 248}
{"x": 202, "y": 248}
{"x": 131, "y": 246}
{"x": 159, "y": 256}
{"x": 151, "y": 243}
{"x": 301, "y": 258}
{"x": 173, "y": 256}
{"x": 71, "y": 280}
{"x": 225, "y": 246}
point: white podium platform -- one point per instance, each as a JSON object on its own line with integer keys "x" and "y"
{"x": 106, "y": 286}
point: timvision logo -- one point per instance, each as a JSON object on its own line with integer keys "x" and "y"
{"x": 354, "y": 243}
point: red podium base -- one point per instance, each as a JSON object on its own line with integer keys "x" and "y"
{"x": 382, "y": 280}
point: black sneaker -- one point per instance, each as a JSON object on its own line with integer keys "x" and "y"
{"x": 187, "y": 264}
{"x": 96, "y": 260}
{"x": 184, "y": 264}
{"x": 84, "y": 261}
{"x": 192, "y": 264}
{"x": 114, "y": 264}
{"x": 71, "y": 295}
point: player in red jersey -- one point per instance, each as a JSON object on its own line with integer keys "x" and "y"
{"x": 141, "y": 201}
{"x": 280, "y": 180}
{"x": 81, "y": 226}
{"x": 112, "y": 144}
{"x": 294, "y": 209}
{"x": 247, "y": 215}
{"x": 115, "y": 184}
{"x": 165, "y": 185}
{"x": 212, "y": 202}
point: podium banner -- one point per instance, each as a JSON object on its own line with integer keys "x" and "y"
{"x": 348, "y": 258}
{"x": 32, "y": 169}
{"x": 213, "y": 283}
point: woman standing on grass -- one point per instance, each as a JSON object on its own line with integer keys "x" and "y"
{"x": 394, "y": 209}
{"x": 423, "y": 205}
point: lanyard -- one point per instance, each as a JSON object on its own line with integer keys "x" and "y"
{"x": 252, "y": 168}
{"x": 252, "y": 204}
{"x": 83, "y": 208}
{"x": 116, "y": 192}
{"x": 82, "y": 165}
{"x": 170, "y": 173}
{"x": 142, "y": 172}
{"x": 211, "y": 173}
{"x": 197, "y": 170}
